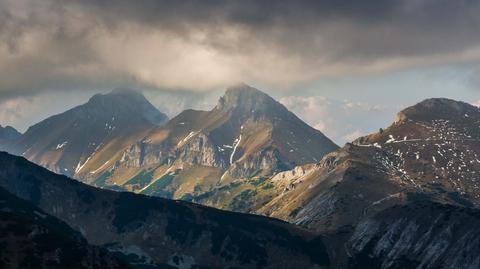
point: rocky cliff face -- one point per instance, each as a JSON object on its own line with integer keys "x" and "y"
{"x": 265, "y": 160}
{"x": 195, "y": 149}
{"x": 246, "y": 136}
{"x": 221, "y": 137}
{"x": 422, "y": 235}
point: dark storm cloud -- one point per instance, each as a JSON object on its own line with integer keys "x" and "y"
{"x": 197, "y": 44}
{"x": 384, "y": 27}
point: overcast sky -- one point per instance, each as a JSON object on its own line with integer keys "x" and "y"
{"x": 345, "y": 67}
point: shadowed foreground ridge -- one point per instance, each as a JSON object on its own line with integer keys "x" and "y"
{"x": 30, "y": 238}
{"x": 154, "y": 231}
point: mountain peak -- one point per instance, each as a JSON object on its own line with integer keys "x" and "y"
{"x": 119, "y": 93}
{"x": 436, "y": 108}
{"x": 76, "y": 134}
{"x": 8, "y": 133}
{"x": 242, "y": 89}
{"x": 124, "y": 91}
{"x": 245, "y": 98}
{"x": 124, "y": 101}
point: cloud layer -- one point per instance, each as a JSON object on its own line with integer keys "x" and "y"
{"x": 341, "y": 120}
{"x": 199, "y": 45}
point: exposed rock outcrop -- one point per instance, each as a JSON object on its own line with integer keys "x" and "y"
{"x": 423, "y": 235}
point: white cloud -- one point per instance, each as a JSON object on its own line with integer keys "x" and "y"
{"x": 353, "y": 135}
{"x": 320, "y": 126}
{"x": 477, "y": 103}
{"x": 22, "y": 112}
{"x": 56, "y": 44}
{"x": 341, "y": 120}
{"x": 172, "y": 103}
{"x": 11, "y": 110}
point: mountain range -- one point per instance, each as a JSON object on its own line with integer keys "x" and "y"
{"x": 120, "y": 141}
{"x": 131, "y": 230}
{"x": 403, "y": 197}
{"x": 245, "y": 137}
{"x": 431, "y": 152}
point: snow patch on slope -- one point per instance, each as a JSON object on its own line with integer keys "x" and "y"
{"x": 188, "y": 137}
{"x": 235, "y": 145}
{"x": 59, "y": 146}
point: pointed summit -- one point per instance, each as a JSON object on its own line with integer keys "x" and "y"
{"x": 247, "y": 135}
{"x": 243, "y": 94}
{"x": 64, "y": 142}
{"x": 122, "y": 103}
{"x": 8, "y": 133}
{"x": 127, "y": 91}
{"x": 121, "y": 94}
{"x": 245, "y": 100}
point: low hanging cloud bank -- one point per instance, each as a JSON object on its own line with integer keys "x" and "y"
{"x": 201, "y": 45}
